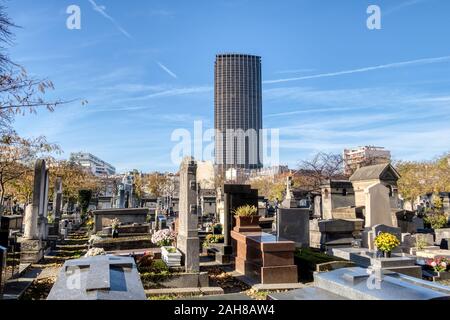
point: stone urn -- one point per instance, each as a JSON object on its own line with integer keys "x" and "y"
{"x": 247, "y": 224}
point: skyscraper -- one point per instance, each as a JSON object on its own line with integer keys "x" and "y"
{"x": 238, "y": 111}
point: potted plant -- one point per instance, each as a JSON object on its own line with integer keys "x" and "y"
{"x": 163, "y": 238}
{"x": 386, "y": 242}
{"x": 115, "y": 224}
{"x": 217, "y": 228}
{"x": 171, "y": 256}
{"x": 213, "y": 238}
{"x": 440, "y": 266}
{"x": 246, "y": 217}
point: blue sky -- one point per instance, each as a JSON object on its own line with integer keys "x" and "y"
{"x": 146, "y": 68}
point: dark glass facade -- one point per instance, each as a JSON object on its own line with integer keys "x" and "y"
{"x": 238, "y": 111}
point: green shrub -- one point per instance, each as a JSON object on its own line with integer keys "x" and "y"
{"x": 246, "y": 211}
{"x": 158, "y": 266}
{"x": 436, "y": 220}
{"x": 213, "y": 238}
{"x": 153, "y": 277}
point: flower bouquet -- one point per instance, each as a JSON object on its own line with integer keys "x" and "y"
{"x": 95, "y": 252}
{"x": 386, "y": 242}
{"x": 439, "y": 264}
{"x": 163, "y": 238}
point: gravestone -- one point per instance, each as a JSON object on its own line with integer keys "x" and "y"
{"x": 334, "y": 233}
{"x": 235, "y": 196}
{"x": 98, "y": 278}
{"x": 126, "y": 216}
{"x": 405, "y": 221}
{"x": 187, "y": 240}
{"x": 36, "y": 217}
{"x": 378, "y": 208}
{"x": 369, "y": 235}
{"x": 57, "y": 201}
{"x": 442, "y": 237}
{"x": 293, "y": 225}
{"x": 162, "y": 222}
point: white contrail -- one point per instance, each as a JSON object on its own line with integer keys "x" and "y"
{"x": 167, "y": 70}
{"x": 401, "y": 6}
{"x": 102, "y": 11}
{"x": 383, "y": 66}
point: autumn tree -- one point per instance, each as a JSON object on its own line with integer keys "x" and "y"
{"x": 156, "y": 184}
{"x": 138, "y": 185}
{"x": 74, "y": 179}
{"x": 17, "y": 157}
{"x": 272, "y": 188}
{"x": 423, "y": 177}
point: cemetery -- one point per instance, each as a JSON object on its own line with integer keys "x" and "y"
{"x": 357, "y": 245}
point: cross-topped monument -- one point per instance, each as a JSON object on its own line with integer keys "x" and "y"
{"x": 98, "y": 278}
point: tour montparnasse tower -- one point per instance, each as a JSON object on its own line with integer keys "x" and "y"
{"x": 238, "y": 111}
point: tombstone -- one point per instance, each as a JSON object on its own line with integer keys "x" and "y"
{"x": 188, "y": 241}
{"x": 418, "y": 223}
{"x": 404, "y": 219}
{"x": 378, "y": 207}
{"x": 63, "y": 228}
{"x": 57, "y": 205}
{"x": 121, "y": 198}
{"x": 36, "y": 217}
{"x": 369, "y": 235}
{"x": 410, "y": 242}
{"x": 126, "y": 216}
{"x": 162, "y": 222}
{"x": 442, "y": 238}
{"x": 235, "y": 196}
{"x": 334, "y": 233}
{"x": 98, "y": 278}
{"x": 293, "y": 225}
{"x": 336, "y": 194}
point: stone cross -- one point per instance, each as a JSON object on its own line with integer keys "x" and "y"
{"x": 98, "y": 277}
{"x": 289, "y": 200}
{"x": 187, "y": 240}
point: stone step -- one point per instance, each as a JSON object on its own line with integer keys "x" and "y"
{"x": 71, "y": 247}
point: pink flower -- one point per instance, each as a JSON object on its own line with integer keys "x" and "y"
{"x": 433, "y": 264}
